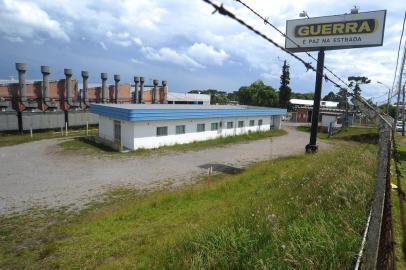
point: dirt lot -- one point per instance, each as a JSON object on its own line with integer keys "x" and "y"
{"x": 37, "y": 173}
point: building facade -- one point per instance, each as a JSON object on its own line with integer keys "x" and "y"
{"x": 49, "y": 104}
{"x": 187, "y": 98}
{"x": 302, "y": 109}
{"x": 135, "y": 126}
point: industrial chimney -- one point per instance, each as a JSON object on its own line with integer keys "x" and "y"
{"x": 155, "y": 92}
{"x": 21, "y": 68}
{"x": 116, "y": 94}
{"x": 51, "y": 106}
{"x": 104, "y": 87}
{"x": 164, "y": 92}
{"x": 136, "y": 86}
{"x": 141, "y": 100}
{"x": 85, "y": 76}
{"x": 68, "y": 76}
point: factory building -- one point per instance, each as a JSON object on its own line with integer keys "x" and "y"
{"x": 173, "y": 97}
{"x": 302, "y": 109}
{"x": 49, "y": 104}
{"x": 134, "y": 126}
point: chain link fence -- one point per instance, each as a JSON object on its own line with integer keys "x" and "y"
{"x": 377, "y": 251}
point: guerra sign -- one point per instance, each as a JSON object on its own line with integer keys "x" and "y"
{"x": 345, "y": 31}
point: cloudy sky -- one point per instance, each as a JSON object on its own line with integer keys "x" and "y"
{"x": 181, "y": 41}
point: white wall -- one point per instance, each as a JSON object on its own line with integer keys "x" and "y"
{"x": 106, "y": 131}
{"x": 127, "y": 134}
{"x": 142, "y": 134}
{"x": 327, "y": 119}
{"x": 145, "y": 132}
{"x": 106, "y": 128}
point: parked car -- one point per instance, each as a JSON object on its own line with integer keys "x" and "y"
{"x": 399, "y": 126}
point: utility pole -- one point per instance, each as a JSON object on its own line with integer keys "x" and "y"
{"x": 389, "y": 93}
{"x": 346, "y": 110}
{"x": 403, "y": 112}
{"x": 399, "y": 89}
{"x": 312, "y": 146}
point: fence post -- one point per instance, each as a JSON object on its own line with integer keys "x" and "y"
{"x": 375, "y": 232}
{"x": 379, "y": 249}
{"x": 401, "y": 195}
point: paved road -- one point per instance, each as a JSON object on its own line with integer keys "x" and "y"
{"x": 38, "y": 174}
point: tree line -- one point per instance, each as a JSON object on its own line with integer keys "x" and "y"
{"x": 258, "y": 93}
{"x": 255, "y": 94}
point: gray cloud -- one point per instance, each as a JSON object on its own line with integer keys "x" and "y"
{"x": 181, "y": 39}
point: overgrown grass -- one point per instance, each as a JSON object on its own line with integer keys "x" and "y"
{"x": 400, "y": 261}
{"x": 301, "y": 212}
{"x": 10, "y": 138}
{"x": 369, "y": 135}
{"x": 90, "y": 147}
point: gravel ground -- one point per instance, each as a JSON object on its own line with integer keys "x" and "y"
{"x": 37, "y": 173}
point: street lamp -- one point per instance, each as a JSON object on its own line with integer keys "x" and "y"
{"x": 354, "y": 10}
{"x": 389, "y": 90}
{"x": 304, "y": 14}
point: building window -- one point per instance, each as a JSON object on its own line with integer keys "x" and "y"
{"x": 162, "y": 131}
{"x": 252, "y": 123}
{"x": 230, "y": 124}
{"x": 180, "y": 129}
{"x": 201, "y": 127}
{"x": 240, "y": 124}
{"x": 214, "y": 126}
{"x": 260, "y": 122}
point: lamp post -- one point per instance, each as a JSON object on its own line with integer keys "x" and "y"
{"x": 389, "y": 91}
{"x": 304, "y": 14}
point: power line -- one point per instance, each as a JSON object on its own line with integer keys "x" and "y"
{"x": 229, "y": 14}
{"x": 267, "y": 22}
{"x": 381, "y": 96}
{"x": 396, "y": 93}
{"x": 400, "y": 45}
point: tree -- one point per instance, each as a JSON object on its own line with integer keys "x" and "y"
{"x": 392, "y": 109}
{"x": 284, "y": 89}
{"x": 331, "y": 96}
{"x": 216, "y": 96}
{"x": 233, "y": 96}
{"x": 308, "y": 96}
{"x": 357, "y": 80}
{"x": 257, "y": 94}
{"x": 343, "y": 99}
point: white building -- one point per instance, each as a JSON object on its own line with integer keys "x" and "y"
{"x": 134, "y": 126}
{"x": 187, "y": 98}
{"x": 328, "y": 118}
{"x": 305, "y": 102}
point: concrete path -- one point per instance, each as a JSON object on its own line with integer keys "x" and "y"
{"x": 37, "y": 173}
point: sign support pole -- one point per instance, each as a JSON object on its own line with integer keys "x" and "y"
{"x": 312, "y": 146}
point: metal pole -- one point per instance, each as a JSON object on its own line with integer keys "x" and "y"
{"x": 312, "y": 146}
{"x": 20, "y": 121}
{"x": 403, "y": 112}
{"x": 346, "y": 109}
{"x": 387, "y": 107}
{"x": 399, "y": 89}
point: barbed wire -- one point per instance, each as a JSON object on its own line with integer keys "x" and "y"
{"x": 400, "y": 45}
{"x": 267, "y": 22}
{"x": 227, "y": 13}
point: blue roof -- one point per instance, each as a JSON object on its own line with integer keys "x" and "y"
{"x": 146, "y": 112}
